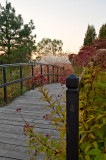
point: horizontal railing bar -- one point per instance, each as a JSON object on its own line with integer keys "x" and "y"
{"x": 27, "y": 64}
{"x": 51, "y": 74}
{"x": 15, "y": 81}
{"x": 26, "y": 78}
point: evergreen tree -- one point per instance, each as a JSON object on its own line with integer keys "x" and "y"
{"x": 90, "y": 35}
{"x": 102, "y": 31}
{"x": 16, "y": 39}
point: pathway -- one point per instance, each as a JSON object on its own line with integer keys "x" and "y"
{"x": 12, "y": 139}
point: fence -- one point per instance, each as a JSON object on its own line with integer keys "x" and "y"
{"x": 21, "y": 79}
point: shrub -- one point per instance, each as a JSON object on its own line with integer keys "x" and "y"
{"x": 99, "y": 44}
{"x": 92, "y": 115}
{"x": 62, "y": 79}
{"x": 100, "y": 58}
{"x": 84, "y": 56}
{"x": 87, "y": 54}
{"x": 39, "y": 80}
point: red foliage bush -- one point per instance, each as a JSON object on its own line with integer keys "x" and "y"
{"x": 99, "y": 44}
{"x": 37, "y": 71}
{"x": 62, "y": 79}
{"x": 84, "y": 56}
{"x": 68, "y": 69}
{"x": 71, "y": 58}
{"x": 39, "y": 80}
{"x": 93, "y": 53}
{"x": 100, "y": 58}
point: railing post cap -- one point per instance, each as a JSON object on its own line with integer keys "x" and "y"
{"x": 72, "y": 81}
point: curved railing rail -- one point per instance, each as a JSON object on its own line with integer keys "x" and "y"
{"x": 21, "y": 79}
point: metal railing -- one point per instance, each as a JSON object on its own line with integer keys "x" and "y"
{"x": 73, "y": 83}
{"x": 21, "y": 79}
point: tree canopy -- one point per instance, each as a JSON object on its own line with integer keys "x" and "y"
{"x": 90, "y": 35}
{"x": 102, "y": 31}
{"x": 49, "y": 47}
{"x": 16, "y": 39}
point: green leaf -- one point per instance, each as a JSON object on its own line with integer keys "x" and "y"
{"x": 94, "y": 152}
{"x": 97, "y": 132}
{"x": 50, "y": 97}
{"x": 95, "y": 145}
{"x": 104, "y": 156}
{"x": 105, "y": 142}
{"x": 99, "y": 157}
{"x": 53, "y": 103}
{"x": 87, "y": 148}
{"x": 87, "y": 157}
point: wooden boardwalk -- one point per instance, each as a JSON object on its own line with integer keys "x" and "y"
{"x": 12, "y": 139}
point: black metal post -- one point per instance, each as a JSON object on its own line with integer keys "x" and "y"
{"x": 33, "y": 76}
{"x": 53, "y": 74}
{"x": 5, "y": 89}
{"x": 41, "y": 68}
{"x": 63, "y": 70}
{"x": 41, "y": 71}
{"x": 72, "y": 117}
{"x": 57, "y": 73}
{"x": 21, "y": 83}
{"x": 48, "y": 73}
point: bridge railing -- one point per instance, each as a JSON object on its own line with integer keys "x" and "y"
{"x": 54, "y": 74}
{"x": 73, "y": 83}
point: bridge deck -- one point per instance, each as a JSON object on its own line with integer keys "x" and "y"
{"x": 12, "y": 139}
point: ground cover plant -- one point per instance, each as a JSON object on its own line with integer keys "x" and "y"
{"x": 92, "y": 129}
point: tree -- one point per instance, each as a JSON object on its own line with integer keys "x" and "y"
{"x": 16, "y": 39}
{"x": 102, "y": 31}
{"x": 90, "y": 35}
{"x": 49, "y": 47}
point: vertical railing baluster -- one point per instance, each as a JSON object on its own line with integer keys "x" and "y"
{"x": 41, "y": 72}
{"x": 48, "y": 73}
{"x": 53, "y": 74}
{"x": 63, "y": 70}
{"x": 21, "y": 83}
{"x": 41, "y": 68}
{"x": 4, "y": 80}
{"x": 57, "y": 73}
{"x": 32, "y": 75}
{"x": 72, "y": 117}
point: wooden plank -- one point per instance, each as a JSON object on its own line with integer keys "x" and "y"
{"x": 12, "y": 138}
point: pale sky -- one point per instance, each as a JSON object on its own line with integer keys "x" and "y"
{"x": 66, "y": 20}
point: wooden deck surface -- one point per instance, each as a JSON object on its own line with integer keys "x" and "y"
{"x": 12, "y": 138}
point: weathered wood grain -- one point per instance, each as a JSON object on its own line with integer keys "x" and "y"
{"x": 12, "y": 138}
